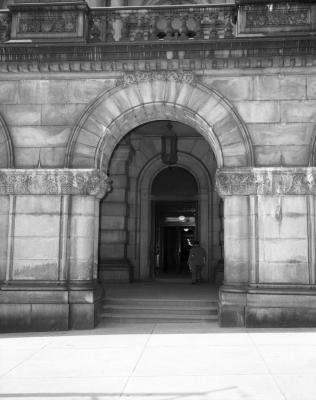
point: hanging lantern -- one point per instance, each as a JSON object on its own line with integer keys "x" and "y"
{"x": 169, "y": 146}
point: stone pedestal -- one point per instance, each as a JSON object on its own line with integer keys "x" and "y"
{"x": 269, "y": 229}
{"x": 48, "y": 257}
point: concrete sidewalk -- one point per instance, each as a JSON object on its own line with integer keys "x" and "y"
{"x": 160, "y": 361}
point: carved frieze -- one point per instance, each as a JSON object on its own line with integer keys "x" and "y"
{"x": 5, "y": 26}
{"x": 45, "y": 21}
{"x": 266, "y": 181}
{"x": 143, "y": 76}
{"x": 88, "y": 182}
{"x": 270, "y": 18}
{"x": 55, "y": 22}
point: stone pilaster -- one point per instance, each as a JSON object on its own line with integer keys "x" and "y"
{"x": 49, "y": 259}
{"x": 269, "y": 246}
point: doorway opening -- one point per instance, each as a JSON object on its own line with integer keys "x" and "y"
{"x": 175, "y": 205}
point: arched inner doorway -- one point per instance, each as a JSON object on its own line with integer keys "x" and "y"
{"x": 141, "y": 214}
{"x": 175, "y": 207}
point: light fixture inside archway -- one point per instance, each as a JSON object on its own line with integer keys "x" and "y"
{"x": 169, "y": 146}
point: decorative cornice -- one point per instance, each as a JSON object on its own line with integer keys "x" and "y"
{"x": 266, "y": 181}
{"x": 86, "y": 182}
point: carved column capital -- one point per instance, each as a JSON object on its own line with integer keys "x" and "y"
{"x": 86, "y": 182}
{"x": 266, "y": 181}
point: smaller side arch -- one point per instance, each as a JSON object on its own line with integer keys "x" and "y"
{"x": 6, "y": 148}
{"x": 146, "y": 177}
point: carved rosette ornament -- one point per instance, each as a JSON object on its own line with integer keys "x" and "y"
{"x": 85, "y": 182}
{"x": 140, "y": 76}
{"x": 266, "y": 181}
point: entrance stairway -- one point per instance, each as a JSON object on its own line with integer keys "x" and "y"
{"x": 151, "y": 310}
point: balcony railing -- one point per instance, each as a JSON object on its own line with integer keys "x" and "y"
{"x": 162, "y": 23}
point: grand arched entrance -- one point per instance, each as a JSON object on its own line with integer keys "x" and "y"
{"x": 156, "y": 208}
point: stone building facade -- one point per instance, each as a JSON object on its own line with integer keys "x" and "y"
{"x": 105, "y": 107}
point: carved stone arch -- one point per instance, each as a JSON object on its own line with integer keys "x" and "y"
{"x": 145, "y": 97}
{"x": 6, "y": 149}
{"x": 146, "y": 177}
{"x": 312, "y": 153}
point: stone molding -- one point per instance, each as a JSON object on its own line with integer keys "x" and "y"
{"x": 85, "y": 182}
{"x": 266, "y": 181}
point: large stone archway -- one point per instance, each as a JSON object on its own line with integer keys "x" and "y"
{"x": 145, "y": 97}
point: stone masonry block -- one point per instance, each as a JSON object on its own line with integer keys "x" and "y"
{"x": 116, "y": 209}
{"x": 236, "y": 206}
{"x": 112, "y": 222}
{"x": 35, "y": 248}
{"x": 52, "y": 157}
{"x": 113, "y": 236}
{"x": 281, "y": 155}
{"x": 279, "y": 87}
{"x": 298, "y": 111}
{"x": 280, "y": 272}
{"x": 83, "y": 205}
{"x": 40, "y": 136}
{"x": 236, "y": 227}
{"x": 35, "y": 269}
{"x": 85, "y": 90}
{"x": 37, "y": 225}
{"x": 81, "y": 248}
{"x": 61, "y": 114}
{"x": 234, "y": 88}
{"x": 112, "y": 251}
{"x": 281, "y": 134}
{"x": 259, "y": 111}
{"x": 311, "y": 86}
{"x": 286, "y": 227}
{"x": 283, "y": 250}
{"x": 8, "y": 92}
{"x": 82, "y": 225}
{"x": 21, "y": 115}
{"x": 43, "y": 91}
{"x": 38, "y": 204}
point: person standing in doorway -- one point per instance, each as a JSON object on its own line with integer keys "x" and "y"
{"x": 196, "y": 261}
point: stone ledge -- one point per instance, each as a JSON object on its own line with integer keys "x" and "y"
{"x": 86, "y": 182}
{"x": 266, "y": 181}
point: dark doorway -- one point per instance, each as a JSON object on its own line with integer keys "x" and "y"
{"x": 175, "y": 229}
{"x": 175, "y": 221}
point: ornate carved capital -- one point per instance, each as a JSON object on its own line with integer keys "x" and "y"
{"x": 266, "y": 181}
{"x": 86, "y": 182}
{"x": 143, "y": 76}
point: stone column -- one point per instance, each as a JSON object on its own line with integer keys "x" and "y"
{"x": 269, "y": 232}
{"x": 48, "y": 263}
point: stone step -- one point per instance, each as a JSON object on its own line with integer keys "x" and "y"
{"x": 160, "y": 310}
{"x": 163, "y": 318}
{"x": 161, "y": 302}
